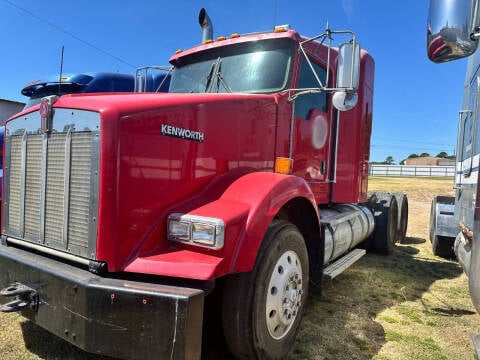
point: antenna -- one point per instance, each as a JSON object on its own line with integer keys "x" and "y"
{"x": 275, "y": 14}
{"x": 61, "y": 70}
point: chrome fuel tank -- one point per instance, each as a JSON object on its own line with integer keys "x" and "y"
{"x": 344, "y": 227}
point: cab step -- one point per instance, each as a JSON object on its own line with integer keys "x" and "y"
{"x": 343, "y": 263}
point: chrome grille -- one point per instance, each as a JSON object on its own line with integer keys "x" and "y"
{"x": 51, "y": 181}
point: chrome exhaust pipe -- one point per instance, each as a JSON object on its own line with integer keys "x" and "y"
{"x": 206, "y": 25}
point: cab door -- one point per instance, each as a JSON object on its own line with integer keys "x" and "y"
{"x": 312, "y": 132}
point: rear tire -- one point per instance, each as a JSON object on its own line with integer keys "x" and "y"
{"x": 402, "y": 202}
{"x": 262, "y": 309}
{"x": 386, "y": 223}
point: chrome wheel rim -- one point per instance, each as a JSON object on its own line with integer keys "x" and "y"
{"x": 284, "y": 295}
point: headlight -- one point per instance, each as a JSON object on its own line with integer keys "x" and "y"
{"x": 197, "y": 230}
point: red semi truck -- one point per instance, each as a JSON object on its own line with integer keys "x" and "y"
{"x": 124, "y": 213}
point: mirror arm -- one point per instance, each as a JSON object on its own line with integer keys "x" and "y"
{"x": 294, "y": 93}
{"x": 311, "y": 66}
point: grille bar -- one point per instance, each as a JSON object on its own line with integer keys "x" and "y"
{"x": 51, "y": 182}
{"x": 66, "y": 187}
{"x": 43, "y": 186}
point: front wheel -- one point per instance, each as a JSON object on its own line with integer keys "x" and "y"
{"x": 262, "y": 309}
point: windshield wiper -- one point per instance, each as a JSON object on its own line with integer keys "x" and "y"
{"x": 213, "y": 73}
{"x": 208, "y": 78}
{"x": 220, "y": 78}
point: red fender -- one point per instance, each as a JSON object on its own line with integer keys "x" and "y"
{"x": 266, "y": 194}
{"x": 247, "y": 208}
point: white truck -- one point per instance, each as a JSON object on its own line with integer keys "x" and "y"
{"x": 453, "y": 32}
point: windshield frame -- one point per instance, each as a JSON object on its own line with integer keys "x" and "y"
{"x": 208, "y": 59}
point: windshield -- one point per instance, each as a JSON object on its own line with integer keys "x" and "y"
{"x": 253, "y": 67}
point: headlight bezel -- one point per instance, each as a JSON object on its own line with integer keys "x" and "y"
{"x": 196, "y": 230}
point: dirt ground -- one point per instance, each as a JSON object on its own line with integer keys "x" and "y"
{"x": 410, "y": 305}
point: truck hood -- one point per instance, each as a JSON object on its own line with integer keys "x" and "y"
{"x": 165, "y": 153}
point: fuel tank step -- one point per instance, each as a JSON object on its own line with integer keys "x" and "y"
{"x": 343, "y": 263}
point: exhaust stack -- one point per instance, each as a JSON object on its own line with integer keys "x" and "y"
{"x": 206, "y": 25}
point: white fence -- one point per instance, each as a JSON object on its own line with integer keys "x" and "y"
{"x": 411, "y": 170}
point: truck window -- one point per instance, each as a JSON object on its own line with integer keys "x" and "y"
{"x": 252, "y": 67}
{"x": 467, "y": 129}
{"x": 467, "y": 126}
{"x": 305, "y": 103}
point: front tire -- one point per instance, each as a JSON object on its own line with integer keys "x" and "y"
{"x": 262, "y": 309}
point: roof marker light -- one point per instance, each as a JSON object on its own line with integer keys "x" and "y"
{"x": 234, "y": 35}
{"x": 178, "y": 51}
{"x": 281, "y": 28}
{"x": 220, "y": 38}
{"x": 208, "y": 41}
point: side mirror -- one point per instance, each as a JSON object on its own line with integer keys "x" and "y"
{"x": 344, "y": 100}
{"x": 348, "y": 69}
{"x": 452, "y": 30}
{"x": 348, "y": 73}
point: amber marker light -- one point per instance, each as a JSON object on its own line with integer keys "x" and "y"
{"x": 178, "y": 51}
{"x": 220, "y": 38}
{"x": 283, "y": 165}
{"x": 233, "y": 36}
{"x": 209, "y": 41}
{"x": 278, "y": 29}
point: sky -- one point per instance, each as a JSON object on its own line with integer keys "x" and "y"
{"x": 416, "y": 102}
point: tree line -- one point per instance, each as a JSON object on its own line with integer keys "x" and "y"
{"x": 390, "y": 161}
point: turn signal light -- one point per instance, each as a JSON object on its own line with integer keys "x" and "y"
{"x": 283, "y": 165}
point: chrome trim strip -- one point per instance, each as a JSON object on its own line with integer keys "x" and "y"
{"x": 22, "y": 184}
{"x": 94, "y": 193}
{"x": 6, "y": 184}
{"x": 66, "y": 186}
{"x": 43, "y": 187}
{"x": 48, "y": 250}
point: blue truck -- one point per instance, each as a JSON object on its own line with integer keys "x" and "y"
{"x": 147, "y": 79}
{"x": 77, "y": 83}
